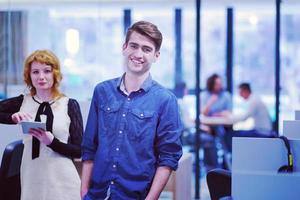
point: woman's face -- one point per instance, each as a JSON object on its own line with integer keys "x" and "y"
{"x": 218, "y": 85}
{"x": 41, "y": 76}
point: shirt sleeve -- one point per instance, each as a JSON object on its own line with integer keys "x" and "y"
{"x": 8, "y": 107}
{"x": 228, "y": 101}
{"x": 90, "y": 142}
{"x": 248, "y": 113}
{"x": 73, "y": 147}
{"x": 169, "y": 130}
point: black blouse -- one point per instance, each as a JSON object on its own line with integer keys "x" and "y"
{"x": 73, "y": 148}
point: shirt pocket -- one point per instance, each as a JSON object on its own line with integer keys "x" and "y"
{"x": 109, "y": 116}
{"x": 141, "y": 124}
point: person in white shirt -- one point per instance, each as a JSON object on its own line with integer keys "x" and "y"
{"x": 256, "y": 110}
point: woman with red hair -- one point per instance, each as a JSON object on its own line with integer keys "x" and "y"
{"x": 47, "y": 170}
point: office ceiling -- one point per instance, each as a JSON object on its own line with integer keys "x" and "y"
{"x": 212, "y": 2}
{"x": 154, "y": 3}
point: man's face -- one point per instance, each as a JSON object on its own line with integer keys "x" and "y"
{"x": 139, "y": 53}
{"x": 243, "y": 93}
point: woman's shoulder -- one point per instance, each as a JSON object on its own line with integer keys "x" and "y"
{"x": 72, "y": 102}
{"x": 68, "y": 100}
{"x": 14, "y": 99}
{"x": 205, "y": 94}
{"x": 60, "y": 101}
{"x": 226, "y": 94}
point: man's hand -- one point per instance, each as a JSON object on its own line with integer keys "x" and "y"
{"x": 160, "y": 180}
{"x": 83, "y": 191}
{"x": 86, "y": 174}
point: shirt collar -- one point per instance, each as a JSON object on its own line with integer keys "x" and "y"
{"x": 39, "y": 101}
{"x": 121, "y": 85}
{"x": 145, "y": 86}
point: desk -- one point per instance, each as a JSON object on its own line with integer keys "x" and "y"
{"x": 255, "y": 163}
{"x": 218, "y": 120}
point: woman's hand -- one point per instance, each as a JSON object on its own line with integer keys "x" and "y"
{"x": 213, "y": 99}
{"x": 45, "y": 137}
{"x": 20, "y": 116}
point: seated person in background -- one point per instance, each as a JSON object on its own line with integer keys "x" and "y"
{"x": 215, "y": 101}
{"x": 256, "y": 110}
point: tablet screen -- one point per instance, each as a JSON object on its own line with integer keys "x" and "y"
{"x": 28, "y": 125}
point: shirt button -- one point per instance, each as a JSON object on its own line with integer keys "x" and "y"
{"x": 120, "y": 131}
{"x": 128, "y": 99}
{"x": 117, "y": 149}
{"x": 112, "y": 182}
{"x": 108, "y": 108}
{"x": 124, "y": 115}
{"x": 114, "y": 166}
{"x": 142, "y": 115}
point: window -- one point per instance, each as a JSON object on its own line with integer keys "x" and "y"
{"x": 254, "y": 49}
{"x": 290, "y": 62}
{"x": 87, "y": 40}
{"x": 213, "y": 45}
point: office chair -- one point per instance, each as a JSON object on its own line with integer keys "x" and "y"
{"x": 289, "y": 168}
{"x": 10, "y": 187}
{"x": 219, "y": 183}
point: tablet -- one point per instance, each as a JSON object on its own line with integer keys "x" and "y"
{"x": 28, "y": 125}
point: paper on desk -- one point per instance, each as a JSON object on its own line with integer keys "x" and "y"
{"x": 228, "y": 120}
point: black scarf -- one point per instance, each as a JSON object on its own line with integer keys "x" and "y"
{"x": 44, "y": 109}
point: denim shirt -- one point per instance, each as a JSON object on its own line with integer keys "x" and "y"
{"x": 128, "y": 137}
{"x": 224, "y": 102}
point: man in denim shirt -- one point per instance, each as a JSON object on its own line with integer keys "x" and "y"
{"x": 132, "y": 138}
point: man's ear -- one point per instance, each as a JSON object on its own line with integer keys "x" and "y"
{"x": 124, "y": 46}
{"x": 156, "y": 55}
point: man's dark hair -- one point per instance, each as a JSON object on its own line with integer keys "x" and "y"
{"x": 148, "y": 30}
{"x": 245, "y": 86}
{"x": 210, "y": 83}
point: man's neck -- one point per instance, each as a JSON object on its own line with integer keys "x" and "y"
{"x": 134, "y": 82}
{"x": 248, "y": 96}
